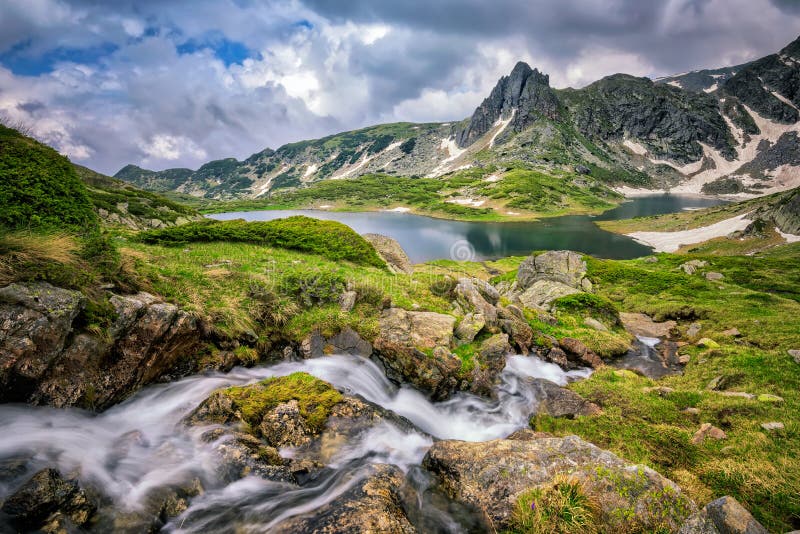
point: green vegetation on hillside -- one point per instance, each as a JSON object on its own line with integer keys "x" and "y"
{"x": 39, "y": 188}
{"x": 128, "y": 202}
{"x": 531, "y": 192}
{"x": 759, "y": 296}
{"x": 330, "y": 239}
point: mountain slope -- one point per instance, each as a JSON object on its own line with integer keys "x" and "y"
{"x": 119, "y": 203}
{"x": 731, "y": 130}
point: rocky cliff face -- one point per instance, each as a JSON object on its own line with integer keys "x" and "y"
{"x": 521, "y": 98}
{"x": 48, "y": 357}
{"x": 688, "y": 130}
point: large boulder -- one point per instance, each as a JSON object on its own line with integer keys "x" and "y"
{"x": 372, "y": 505}
{"x": 543, "y": 292}
{"x": 391, "y": 252}
{"x": 562, "y": 266}
{"x": 492, "y": 476}
{"x": 47, "y": 357}
{"x": 35, "y": 321}
{"x": 414, "y": 347}
{"x": 578, "y": 354}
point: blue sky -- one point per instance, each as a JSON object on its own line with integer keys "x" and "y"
{"x": 168, "y": 84}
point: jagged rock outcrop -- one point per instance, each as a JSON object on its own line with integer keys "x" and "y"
{"x": 492, "y": 475}
{"x": 391, "y": 252}
{"x": 784, "y": 213}
{"x": 48, "y": 358}
{"x": 521, "y": 97}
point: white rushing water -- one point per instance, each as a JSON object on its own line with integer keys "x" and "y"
{"x": 141, "y": 444}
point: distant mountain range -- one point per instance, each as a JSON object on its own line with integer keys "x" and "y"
{"x": 732, "y": 130}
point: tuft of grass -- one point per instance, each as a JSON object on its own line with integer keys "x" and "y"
{"x": 560, "y": 507}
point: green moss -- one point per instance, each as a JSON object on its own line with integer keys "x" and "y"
{"x": 314, "y": 397}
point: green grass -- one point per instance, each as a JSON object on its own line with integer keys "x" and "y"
{"x": 330, "y": 239}
{"x": 758, "y": 297}
{"x": 39, "y": 187}
{"x": 561, "y": 507}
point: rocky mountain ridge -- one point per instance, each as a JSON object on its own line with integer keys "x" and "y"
{"x": 724, "y": 131}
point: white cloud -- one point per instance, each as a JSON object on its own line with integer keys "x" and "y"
{"x": 170, "y": 147}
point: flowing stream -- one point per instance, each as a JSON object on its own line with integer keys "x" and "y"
{"x": 141, "y": 444}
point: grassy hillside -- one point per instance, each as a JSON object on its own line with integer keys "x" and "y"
{"x": 39, "y": 188}
{"x": 121, "y": 204}
{"x": 514, "y": 193}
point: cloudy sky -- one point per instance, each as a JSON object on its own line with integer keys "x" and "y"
{"x": 177, "y": 83}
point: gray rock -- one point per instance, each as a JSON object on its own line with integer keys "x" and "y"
{"x": 470, "y": 297}
{"x": 347, "y": 300}
{"x": 730, "y": 517}
{"x": 512, "y": 322}
{"x": 795, "y": 354}
{"x": 345, "y": 342}
{"x": 372, "y": 505}
{"x": 46, "y": 359}
{"x": 470, "y": 325}
{"x": 562, "y": 266}
{"x": 561, "y": 402}
{"x": 714, "y": 276}
{"x": 543, "y": 292}
{"x": 772, "y": 426}
{"x": 392, "y": 253}
{"x": 693, "y": 331}
{"x": 591, "y": 322}
{"x": 690, "y": 267}
{"x": 491, "y": 475}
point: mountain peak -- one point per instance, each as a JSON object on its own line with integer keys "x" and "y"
{"x": 792, "y": 49}
{"x": 522, "y": 97}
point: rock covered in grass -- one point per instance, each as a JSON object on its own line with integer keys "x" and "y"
{"x": 297, "y": 411}
{"x": 494, "y": 475}
{"x": 469, "y": 327}
{"x": 391, "y": 252}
